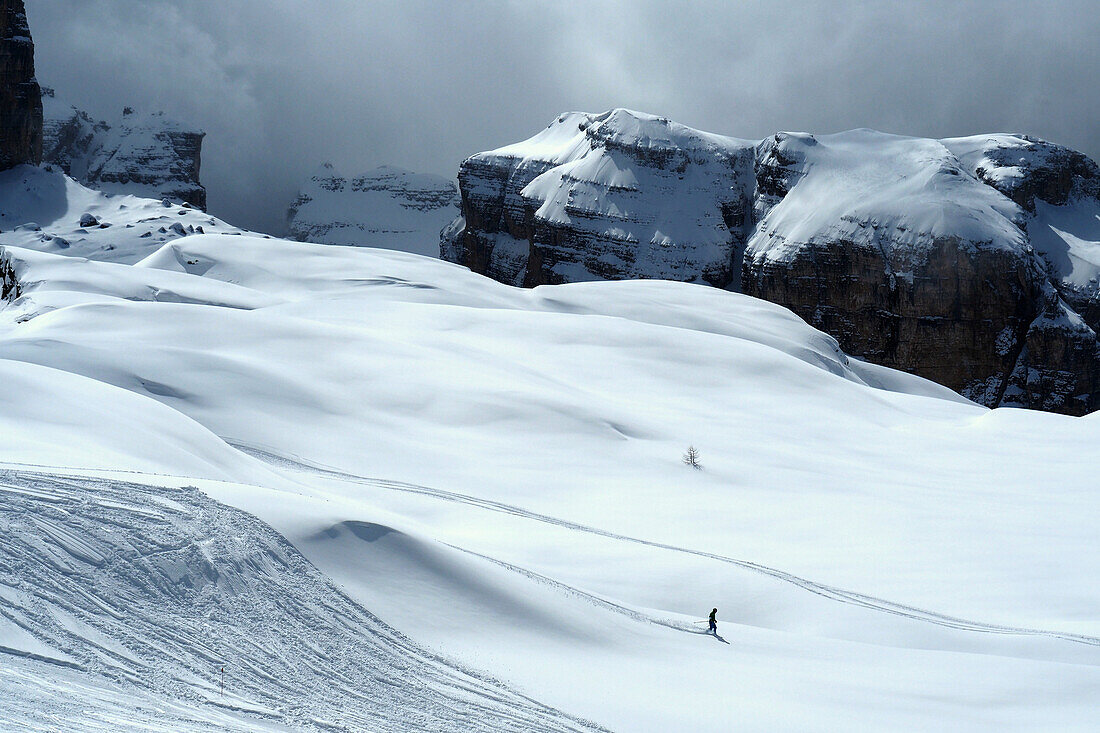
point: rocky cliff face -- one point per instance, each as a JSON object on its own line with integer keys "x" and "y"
{"x": 969, "y": 261}
{"x": 20, "y": 100}
{"x": 147, "y": 155}
{"x": 387, "y": 207}
{"x": 613, "y": 196}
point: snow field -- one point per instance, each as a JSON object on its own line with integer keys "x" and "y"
{"x": 476, "y": 473}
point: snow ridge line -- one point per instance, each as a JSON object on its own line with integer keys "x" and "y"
{"x": 826, "y": 591}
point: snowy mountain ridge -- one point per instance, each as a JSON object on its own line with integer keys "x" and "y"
{"x": 899, "y": 247}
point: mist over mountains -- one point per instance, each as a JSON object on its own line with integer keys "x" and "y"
{"x": 332, "y": 81}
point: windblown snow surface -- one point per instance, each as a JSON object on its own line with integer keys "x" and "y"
{"x": 251, "y": 484}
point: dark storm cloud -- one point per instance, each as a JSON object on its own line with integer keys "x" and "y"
{"x": 280, "y": 85}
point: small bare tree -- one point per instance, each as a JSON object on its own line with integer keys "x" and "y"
{"x": 692, "y": 457}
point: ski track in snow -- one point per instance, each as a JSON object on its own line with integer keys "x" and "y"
{"x": 826, "y": 591}
{"x": 148, "y": 591}
{"x": 46, "y": 698}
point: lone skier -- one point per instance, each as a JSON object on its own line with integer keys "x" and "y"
{"x": 713, "y": 622}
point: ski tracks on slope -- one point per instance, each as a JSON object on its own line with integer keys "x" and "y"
{"x": 155, "y": 589}
{"x": 832, "y": 593}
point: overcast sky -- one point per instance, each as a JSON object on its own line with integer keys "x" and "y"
{"x": 281, "y": 85}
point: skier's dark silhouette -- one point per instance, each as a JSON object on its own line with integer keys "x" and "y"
{"x": 713, "y": 623}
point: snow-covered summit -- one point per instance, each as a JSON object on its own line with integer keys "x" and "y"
{"x": 572, "y": 133}
{"x": 617, "y": 195}
{"x": 877, "y": 190}
{"x": 387, "y": 207}
{"x": 1025, "y": 168}
{"x": 1059, "y": 190}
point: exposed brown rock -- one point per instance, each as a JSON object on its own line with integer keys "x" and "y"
{"x": 958, "y": 320}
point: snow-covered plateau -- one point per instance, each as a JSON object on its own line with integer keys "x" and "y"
{"x": 255, "y": 484}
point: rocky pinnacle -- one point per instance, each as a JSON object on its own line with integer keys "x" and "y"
{"x": 20, "y": 96}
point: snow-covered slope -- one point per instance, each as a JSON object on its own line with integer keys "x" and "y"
{"x": 905, "y": 249}
{"x": 1058, "y": 188}
{"x": 472, "y": 482}
{"x": 142, "y": 154}
{"x": 386, "y": 207}
{"x": 45, "y": 210}
{"x": 166, "y": 593}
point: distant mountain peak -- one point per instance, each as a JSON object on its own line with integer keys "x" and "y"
{"x": 387, "y": 207}
{"x": 143, "y": 153}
